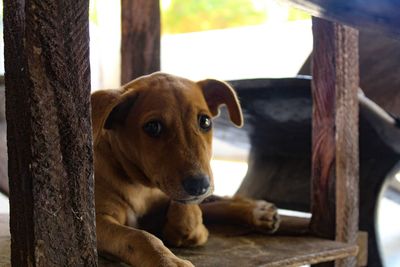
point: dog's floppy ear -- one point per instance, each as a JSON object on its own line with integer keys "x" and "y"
{"x": 218, "y": 93}
{"x": 109, "y": 108}
{"x": 119, "y": 112}
{"x": 102, "y": 103}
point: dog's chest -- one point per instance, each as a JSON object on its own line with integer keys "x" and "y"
{"x": 145, "y": 202}
{"x": 131, "y": 218}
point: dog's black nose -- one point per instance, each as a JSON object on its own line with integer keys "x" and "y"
{"x": 196, "y": 185}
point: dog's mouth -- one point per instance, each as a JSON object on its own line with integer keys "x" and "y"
{"x": 193, "y": 200}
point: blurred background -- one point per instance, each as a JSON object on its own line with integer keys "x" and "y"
{"x": 223, "y": 39}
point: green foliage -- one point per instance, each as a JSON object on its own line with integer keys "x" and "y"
{"x": 296, "y": 14}
{"x": 200, "y": 15}
{"x": 93, "y": 16}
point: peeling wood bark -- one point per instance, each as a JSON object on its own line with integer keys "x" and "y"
{"x": 49, "y": 133}
{"x": 335, "y": 133}
{"x": 140, "y": 40}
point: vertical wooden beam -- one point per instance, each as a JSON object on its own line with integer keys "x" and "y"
{"x": 140, "y": 40}
{"x": 19, "y": 131}
{"x": 47, "y": 80}
{"x": 335, "y": 133}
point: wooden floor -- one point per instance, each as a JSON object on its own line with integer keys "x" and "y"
{"x": 257, "y": 250}
{"x": 231, "y": 247}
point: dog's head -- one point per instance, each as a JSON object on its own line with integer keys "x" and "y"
{"x": 161, "y": 125}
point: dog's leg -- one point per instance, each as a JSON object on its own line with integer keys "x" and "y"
{"x": 184, "y": 225}
{"x": 133, "y": 246}
{"x": 258, "y": 214}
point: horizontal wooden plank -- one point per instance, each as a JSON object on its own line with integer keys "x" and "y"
{"x": 382, "y": 15}
{"x": 230, "y": 246}
{"x": 258, "y": 250}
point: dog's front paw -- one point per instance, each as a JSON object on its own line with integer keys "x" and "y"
{"x": 174, "y": 261}
{"x": 184, "y": 226}
{"x": 265, "y": 216}
{"x": 184, "y": 236}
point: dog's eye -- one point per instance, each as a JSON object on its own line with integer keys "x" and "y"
{"x": 205, "y": 123}
{"x": 153, "y": 128}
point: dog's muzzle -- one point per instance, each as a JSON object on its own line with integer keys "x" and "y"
{"x": 196, "y": 185}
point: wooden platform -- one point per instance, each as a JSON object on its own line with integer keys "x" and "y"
{"x": 229, "y": 247}
{"x": 257, "y": 250}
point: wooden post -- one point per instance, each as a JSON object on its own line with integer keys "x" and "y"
{"x": 140, "y": 40}
{"x": 335, "y": 133}
{"x": 52, "y": 217}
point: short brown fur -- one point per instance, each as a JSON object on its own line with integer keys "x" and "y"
{"x": 138, "y": 178}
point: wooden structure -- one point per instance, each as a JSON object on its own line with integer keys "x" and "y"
{"x": 49, "y": 136}
{"x": 334, "y": 172}
{"x": 278, "y": 130}
{"x": 140, "y": 42}
{"x": 49, "y": 133}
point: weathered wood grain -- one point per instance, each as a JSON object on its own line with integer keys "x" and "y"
{"x": 323, "y": 129}
{"x": 335, "y": 133}
{"x": 19, "y": 131}
{"x": 347, "y": 144}
{"x": 49, "y": 133}
{"x": 140, "y": 40}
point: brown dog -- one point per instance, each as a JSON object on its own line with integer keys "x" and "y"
{"x": 152, "y": 142}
